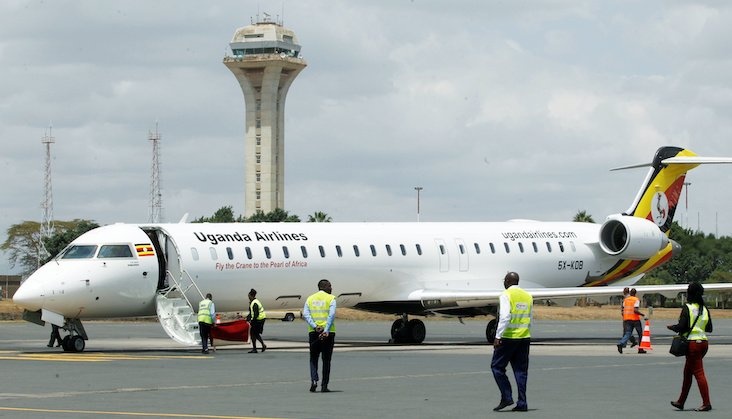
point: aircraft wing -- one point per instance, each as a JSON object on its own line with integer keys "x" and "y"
{"x": 450, "y": 299}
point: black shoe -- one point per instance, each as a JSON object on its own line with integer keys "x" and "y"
{"x": 642, "y": 351}
{"x": 205, "y": 351}
{"x": 520, "y": 409}
{"x": 253, "y": 351}
{"x": 264, "y": 347}
{"x": 620, "y": 349}
{"x": 324, "y": 389}
{"x": 704, "y": 408}
{"x": 633, "y": 344}
{"x": 313, "y": 386}
{"x": 678, "y": 405}
{"x": 50, "y": 346}
{"x": 502, "y": 404}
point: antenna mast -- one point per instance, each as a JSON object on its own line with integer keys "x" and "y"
{"x": 47, "y": 204}
{"x": 156, "y": 197}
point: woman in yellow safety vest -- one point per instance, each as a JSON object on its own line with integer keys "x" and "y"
{"x": 696, "y": 321}
{"x": 256, "y": 321}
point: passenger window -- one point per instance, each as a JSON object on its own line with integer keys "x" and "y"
{"x": 249, "y": 252}
{"x": 230, "y": 253}
{"x": 286, "y": 252}
{"x": 548, "y": 247}
{"x": 356, "y": 251}
{"x": 477, "y": 248}
{"x": 561, "y": 247}
{"x": 373, "y": 250}
{"x": 388, "y": 250}
{"x": 338, "y": 251}
{"x": 521, "y": 247}
{"x": 536, "y": 248}
{"x": 462, "y": 249}
{"x": 304, "y": 251}
{"x": 442, "y": 249}
{"x": 267, "y": 253}
{"x": 419, "y": 249}
{"x": 123, "y": 251}
{"x": 194, "y": 253}
{"x": 403, "y": 249}
{"x": 493, "y": 248}
{"x": 212, "y": 251}
{"x": 79, "y": 252}
{"x": 505, "y": 246}
{"x": 322, "y": 251}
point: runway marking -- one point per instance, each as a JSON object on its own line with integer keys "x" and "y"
{"x": 101, "y": 412}
{"x": 92, "y": 357}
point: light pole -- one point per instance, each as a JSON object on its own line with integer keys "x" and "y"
{"x": 418, "y": 189}
{"x": 687, "y": 203}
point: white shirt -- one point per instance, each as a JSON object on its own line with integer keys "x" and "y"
{"x": 504, "y": 314}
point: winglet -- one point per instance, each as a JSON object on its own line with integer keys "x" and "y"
{"x": 183, "y": 219}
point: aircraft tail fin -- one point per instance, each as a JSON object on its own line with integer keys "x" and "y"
{"x": 659, "y": 194}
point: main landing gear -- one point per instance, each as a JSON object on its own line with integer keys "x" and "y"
{"x": 407, "y": 331}
{"x": 490, "y": 331}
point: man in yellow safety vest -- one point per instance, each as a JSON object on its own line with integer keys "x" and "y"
{"x": 206, "y": 315}
{"x": 319, "y": 312}
{"x": 256, "y": 319}
{"x": 512, "y": 342}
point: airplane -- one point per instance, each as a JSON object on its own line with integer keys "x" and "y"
{"x": 401, "y": 268}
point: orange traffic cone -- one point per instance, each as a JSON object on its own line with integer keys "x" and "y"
{"x": 646, "y": 339}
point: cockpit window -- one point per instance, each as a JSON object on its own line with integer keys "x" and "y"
{"x": 79, "y": 252}
{"x": 115, "y": 251}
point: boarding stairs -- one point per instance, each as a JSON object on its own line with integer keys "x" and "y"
{"x": 175, "y": 310}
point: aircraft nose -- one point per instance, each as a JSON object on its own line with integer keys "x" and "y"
{"x": 29, "y": 295}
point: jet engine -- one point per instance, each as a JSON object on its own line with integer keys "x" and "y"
{"x": 631, "y": 238}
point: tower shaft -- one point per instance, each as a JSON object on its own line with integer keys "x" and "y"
{"x": 47, "y": 204}
{"x": 156, "y": 196}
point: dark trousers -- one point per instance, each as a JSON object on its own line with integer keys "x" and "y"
{"x": 695, "y": 367}
{"x": 55, "y": 335}
{"x": 205, "y": 330}
{"x": 320, "y": 347}
{"x": 627, "y": 325}
{"x": 631, "y": 325}
{"x": 516, "y": 353}
{"x": 256, "y": 327}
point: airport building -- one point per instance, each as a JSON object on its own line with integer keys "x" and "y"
{"x": 265, "y": 59}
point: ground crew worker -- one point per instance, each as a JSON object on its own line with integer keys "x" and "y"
{"x": 206, "y": 315}
{"x": 256, "y": 320}
{"x": 319, "y": 312}
{"x": 55, "y": 336}
{"x": 631, "y": 314}
{"x": 513, "y": 339}
{"x": 626, "y": 324}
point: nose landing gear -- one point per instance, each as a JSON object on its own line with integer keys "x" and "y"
{"x": 73, "y": 343}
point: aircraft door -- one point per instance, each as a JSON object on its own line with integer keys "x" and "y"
{"x": 171, "y": 254}
{"x": 443, "y": 254}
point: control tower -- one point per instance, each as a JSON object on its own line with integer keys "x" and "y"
{"x": 265, "y": 60}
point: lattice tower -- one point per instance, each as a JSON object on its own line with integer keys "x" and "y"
{"x": 156, "y": 196}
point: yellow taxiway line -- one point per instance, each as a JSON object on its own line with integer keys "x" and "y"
{"x": 139, "y": 414}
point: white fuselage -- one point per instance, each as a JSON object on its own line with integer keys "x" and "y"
{"x": 365, "y": 262}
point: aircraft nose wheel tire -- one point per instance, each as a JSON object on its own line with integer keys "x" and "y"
{"x": 73, "y": 344}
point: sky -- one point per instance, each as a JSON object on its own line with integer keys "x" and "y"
{"x": 498, "y": 109}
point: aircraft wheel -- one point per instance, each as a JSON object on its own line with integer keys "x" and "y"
{"x": 65, "y": 343}
{"x": 490, "y": 331}
{"x": 289, "y": 317}
{"x": 416, "y": 331}
{"x": 77, "y": 344}
{"x": 396, "y": 329}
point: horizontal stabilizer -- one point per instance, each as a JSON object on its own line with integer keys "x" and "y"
{"x": 682, "y": 160}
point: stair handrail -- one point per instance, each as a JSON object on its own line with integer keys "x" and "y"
{"x": 179, "y": 286}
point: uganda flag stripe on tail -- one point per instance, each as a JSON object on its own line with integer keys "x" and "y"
{"x": 144, "y": 250}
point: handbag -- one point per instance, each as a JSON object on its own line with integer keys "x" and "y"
{"x": 680, "y": 343}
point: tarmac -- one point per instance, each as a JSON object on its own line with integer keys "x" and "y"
{"x": 132, "y": 369}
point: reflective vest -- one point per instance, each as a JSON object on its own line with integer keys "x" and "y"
{"x": 697, "y": 333}
{"x": 521, "y": 303}
{"x": 319, "y": 306}
{"x": 629, "y": 308}
{"x": 261, "y": 315}
{"x": 204, "y": 311}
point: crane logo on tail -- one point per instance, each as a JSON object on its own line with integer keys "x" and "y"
{"x": 659, "y": 208}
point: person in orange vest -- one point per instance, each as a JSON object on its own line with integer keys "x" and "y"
{"x": 695, "y": 322}
{"x": 633, "y": 342}
{"x": 631, "y": 315}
